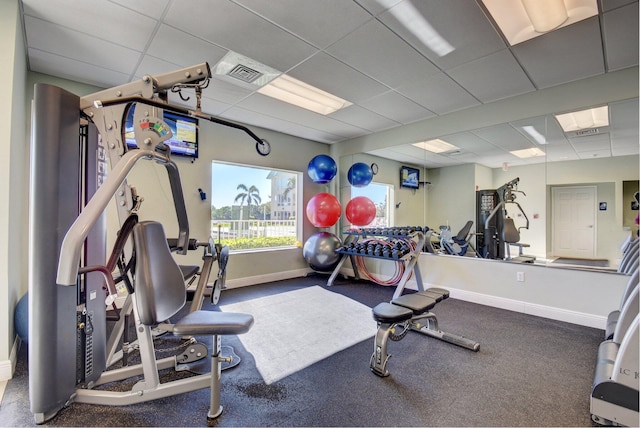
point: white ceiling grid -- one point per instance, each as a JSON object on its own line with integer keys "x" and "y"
{"x": 355, "y": 49}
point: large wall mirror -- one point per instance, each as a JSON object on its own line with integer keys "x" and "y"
{"x": 575, "y": 188}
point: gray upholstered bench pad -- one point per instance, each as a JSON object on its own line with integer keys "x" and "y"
{"x": 388, "y": 313}
{"x": 209, "y": 322}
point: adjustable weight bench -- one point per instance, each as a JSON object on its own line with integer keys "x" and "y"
{"x": 410, "y": 312}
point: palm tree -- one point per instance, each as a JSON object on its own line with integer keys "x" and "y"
{"x": 250, "y": 195}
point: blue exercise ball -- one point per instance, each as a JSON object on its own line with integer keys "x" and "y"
{"x": 320, "y": 251}
{"x": 360, "y": 174}
{"x": 322, "y": 169}
{"x": 21, "y": 318}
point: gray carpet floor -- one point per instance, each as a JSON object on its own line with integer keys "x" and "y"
{"x": 529, "y": 372}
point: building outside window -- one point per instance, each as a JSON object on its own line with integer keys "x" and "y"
{"x": 254, "y": 208}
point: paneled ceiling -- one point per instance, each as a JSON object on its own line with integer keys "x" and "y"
{"x": 355, "y": 49}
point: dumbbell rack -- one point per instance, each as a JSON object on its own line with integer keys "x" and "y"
{"x": 410, "y": 259}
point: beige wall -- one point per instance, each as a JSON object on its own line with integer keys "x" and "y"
{"x": 222, "y": 143}
{"x": 13, "y": 177}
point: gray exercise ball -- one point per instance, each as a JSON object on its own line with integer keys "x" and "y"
{"x": 319, "y": 251}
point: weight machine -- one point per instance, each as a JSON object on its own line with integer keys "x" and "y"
{"x": 79, "y": 163}
{"x": 495, "y": 230}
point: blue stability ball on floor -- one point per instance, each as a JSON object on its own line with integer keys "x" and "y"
{"x": 322, "y": 169}
{"x": 360, "y": 174}
{"x": 319, "y": 251}
{"x": 21, "y": 318}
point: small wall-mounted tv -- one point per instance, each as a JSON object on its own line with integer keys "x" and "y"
{"x": 409, "y": 177}
{"x": 184, "y": 141}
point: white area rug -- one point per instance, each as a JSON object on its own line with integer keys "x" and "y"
{"x": 295, "y": 329}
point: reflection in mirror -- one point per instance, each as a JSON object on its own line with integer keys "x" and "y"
{"x": 395, "y": 205}
{"x": 567, "y": 163}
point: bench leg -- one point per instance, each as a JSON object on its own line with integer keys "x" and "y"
{"x": 379, "y": 358}
{"x": 430, "y": 328}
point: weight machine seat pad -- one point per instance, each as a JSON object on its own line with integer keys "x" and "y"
{"x": 437, "y": 294}
{"x": 189, "y": 271}
{"x": 612, "y": 320}
{"x": 387, "y": 313}
{"x": 416, "y": 302}
{"x": 199, "y": 323}
{"x": 607, "y": 354}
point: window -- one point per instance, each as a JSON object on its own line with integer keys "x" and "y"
{"x": 255, "y": 208}
{"x": 382, "y": 197}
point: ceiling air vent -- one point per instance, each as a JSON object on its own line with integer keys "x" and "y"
{"x": 244, "y": 73}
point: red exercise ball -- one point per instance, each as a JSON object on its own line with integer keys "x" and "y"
{"x": 323, "y": 210}
{"x": 360, "y": 211}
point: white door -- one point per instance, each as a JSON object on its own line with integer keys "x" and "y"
{"x": 574, "y": 221}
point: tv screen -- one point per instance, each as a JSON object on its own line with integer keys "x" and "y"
{"x": 184, "y": 141}
{"x": 409, "y": 177}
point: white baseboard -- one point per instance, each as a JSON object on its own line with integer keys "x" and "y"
{"x": 270, "y": 277}
{"x": 8, "y": 367}
{"x": 573, "y": 317}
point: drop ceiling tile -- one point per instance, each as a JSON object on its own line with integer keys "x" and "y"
{"x": 503, "y": 136}
{"x": 438, "y": 93}
{"x": 214, "y": 107}
{"x": 153, "y": 66}
{"x": 363, "y": 118}
{"x": 321, "y": 136}
{"x": 591, "y": 143}
{"x": 546, "y": 126}
{"x": 376, "y": 7}
{"x": 224, "y": 91}
{"x": 331, "y": 75}
{"x": 561, "y": 56}
{"x": 252, "y": 118}
{"x": 320, "y": 23}
{"x": 235, "y": 28}
{"x": 461, "y": 23}
{"x": 399, "y": 157}
{"x": 67, "y": 68}
{"x": 631, "y": 148}
{"x": 561, "y": 153}
{"x": 373, "y": 47}
{"x": 397, "y": 107}
{"x": 184, "y": 49}
{"x": 469, "y": 142}
{"x": 624, "y": 114}
{"x": 153, "y": 8}
{"x": 95, "y": 20}
{"x": 595, "y": 154}
{"x": 493, "y": 77}
{"x": 281, "y": 110}
{"x": 620, "y": 34}
{"x": 71, "y": 44}
{"x": 494, "y": 161}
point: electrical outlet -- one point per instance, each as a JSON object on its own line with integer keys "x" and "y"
{"x": 520, "y": 276}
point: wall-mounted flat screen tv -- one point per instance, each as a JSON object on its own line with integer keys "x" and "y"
{"x": 184, "y": 141}
{"x": 409, "y": 177}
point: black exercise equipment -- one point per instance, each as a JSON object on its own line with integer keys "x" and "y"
{"x": 495, "y": 230}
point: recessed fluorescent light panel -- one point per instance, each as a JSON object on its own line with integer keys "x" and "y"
{"x": 584, "y": 119}
{"x": 414, "y": 22}
{"x": 436, "y": 146}
{"x": 533, "y": 133}
{"x": 286, "y": 88}
{"x": 532, "y": 152}
{"x": 521, "y": 20}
